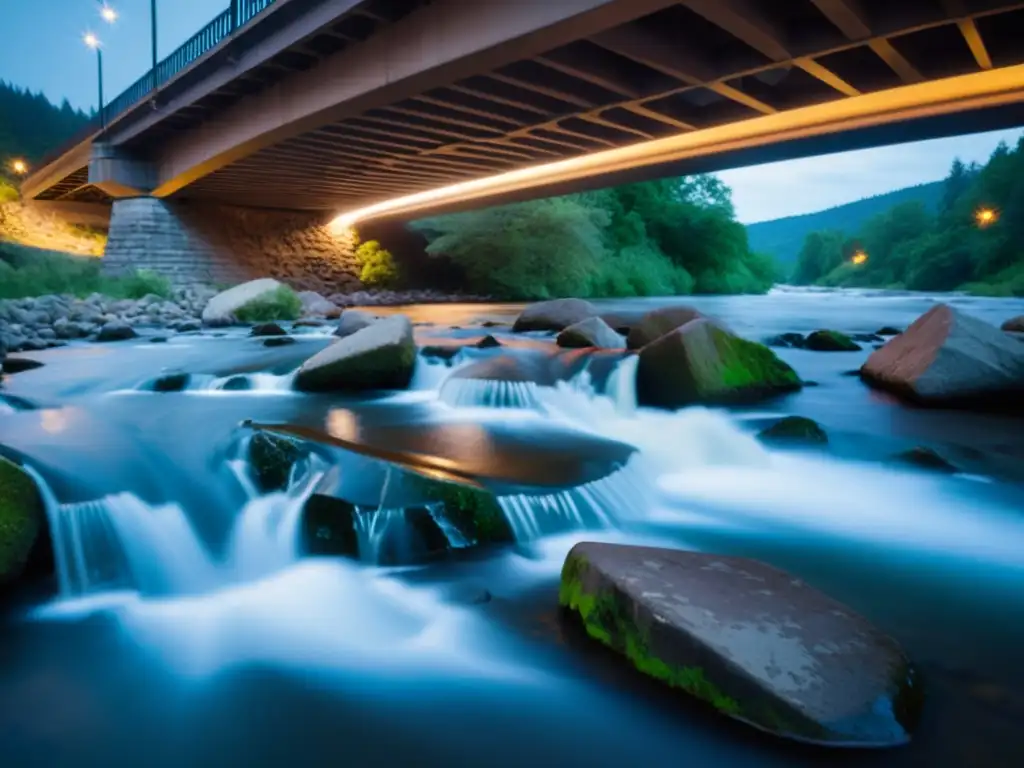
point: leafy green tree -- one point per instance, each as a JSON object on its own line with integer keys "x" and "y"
{"x": 821, "y": 253}
{"x": 377, "y": 265}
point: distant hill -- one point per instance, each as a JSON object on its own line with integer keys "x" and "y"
{"x": 783, "y": 238}
{"x": 30, "y": 125}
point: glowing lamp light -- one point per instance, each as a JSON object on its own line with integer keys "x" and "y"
{"x": 859, "y": 258}
{"x": 985, "y": 216}
{"x": 91, "y": 40}
{"x": 108, "y": 14}
{"x": 20, "y": 167}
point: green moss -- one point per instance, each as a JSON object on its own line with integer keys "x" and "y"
{"x": 830, "y": 341}
{"x": 476, "y": 513}
{"x": 747, "y": 364}
{"x": 280, "y": 304}
{"x": 21, "y": 517}
{"x": 605, "y": 620}
{"x": 271, "y": 458}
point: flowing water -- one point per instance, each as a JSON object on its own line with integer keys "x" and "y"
{"x": 189, "y": 629}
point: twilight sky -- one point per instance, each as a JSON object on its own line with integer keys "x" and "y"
{"x": 43, "y": 50}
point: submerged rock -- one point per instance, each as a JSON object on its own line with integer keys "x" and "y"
{"x": 754, "y": 642}
{"x": 22, "y": 518}
{"x": 278, "y": 341}
{"x": 925, "y": 458}
{"x": 19, "y": 364}
{"x": 794, "y": 429}
{"x": 948, "y": 358}
{"x": 657, "y": 323}
{"x": 702, "y": 363}
{"x": 380, "y": 356}
{"x": 888, "y": 330}
{"x": 116, "y": 330}
{"x": 352, "y": 320}
{"x": 830, "y": 341}
{"x": 271, "y": 458}
{"x": 487, "y": 342}
{"x": 786, "y": 341}
{"x": 1014, "y": 324}
{"x": 221, "y": 309}
{"x": 553, "y": 315}
{"x": 268, "y": 329}
{"x": 592, "y": 332}
{"x": 172, "y": 382}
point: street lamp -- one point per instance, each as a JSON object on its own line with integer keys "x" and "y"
{"x": 19, "y": 166}
{"x": 94, "y": 42}
{"x": 985, "y": 217}
{"x": 108, "y": 14}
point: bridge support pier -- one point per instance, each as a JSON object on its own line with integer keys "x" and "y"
{"x": 192, "y": 242}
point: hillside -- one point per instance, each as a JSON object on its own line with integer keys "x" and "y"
{"x": 783, "y": 238}
{"x": 30, "y": 125}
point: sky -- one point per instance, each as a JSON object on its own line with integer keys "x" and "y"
{"x": 43, "y": 50}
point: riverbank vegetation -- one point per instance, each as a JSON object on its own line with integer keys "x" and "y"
{"x": 974, "y": 242}
{"x": 659, "y": 238}
{"x": 28, "y": 272}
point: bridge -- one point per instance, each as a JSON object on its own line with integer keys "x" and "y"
{"x": 391, "y": 108}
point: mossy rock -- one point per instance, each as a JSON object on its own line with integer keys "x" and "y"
{"x": 22, "y": 518}
{"x": 751, "y": 641}
{"x": 830, "y": 341}
{"x": 792, "y": 430}
{"x": 475, "y": 513}
{"x": 271, "y": 458}
{"x": 925, "y": 458}
{"x": 701, "y": 363}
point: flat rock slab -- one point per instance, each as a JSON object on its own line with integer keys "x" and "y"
{"x": 756, "y": 643}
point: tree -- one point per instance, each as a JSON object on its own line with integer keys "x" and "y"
{"x": 377, "y": 266}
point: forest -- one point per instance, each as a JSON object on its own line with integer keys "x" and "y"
{"x": 659, "y": 238}
{"x": 973, "y": 242}
{"x": 30, "y": 126}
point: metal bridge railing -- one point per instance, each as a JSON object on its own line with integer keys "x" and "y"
{"x": 238, "y": 14}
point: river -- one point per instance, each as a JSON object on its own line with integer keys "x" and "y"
{"x": 228, "y": 650}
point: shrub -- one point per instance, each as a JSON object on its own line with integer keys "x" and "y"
{"x": 280, "y": 304}
{"x": 378, "y": 268}
{"x": 137, "y": 284}
{"x": 8, "y": 192}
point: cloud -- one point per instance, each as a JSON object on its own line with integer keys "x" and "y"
{"x": 810, "y": 184}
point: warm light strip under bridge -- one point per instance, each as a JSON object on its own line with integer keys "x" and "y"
{"x": 992, "y": 88}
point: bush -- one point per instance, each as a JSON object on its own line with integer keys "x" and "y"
{"x": 8, "y": 192}
{"x": 140, "y": 283}
{"x": 280, "y": 304}
{"x": 378, "y": 268}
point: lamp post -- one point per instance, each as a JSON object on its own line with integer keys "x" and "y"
{"x": 93, "y": 42}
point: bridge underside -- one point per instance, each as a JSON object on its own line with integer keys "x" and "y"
{"x": 683, "y": 68}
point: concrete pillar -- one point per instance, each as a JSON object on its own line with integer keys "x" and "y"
{"x": 147, "y": 233}
{"x": 118, "y": 173}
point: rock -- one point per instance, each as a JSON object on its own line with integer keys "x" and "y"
{"x": 925, "y": 458}
{"x": 158, "y": 340}
{"x": 271, "y": 458}
{"x": 22, "y": 518}
{"x": 592, "y": 332}
{"x": 115, "y": 330}
{"x": 328, "y": 527}
{"x": 172, "y": 382}
{"x": 794, "y": 429}
{"x": 268, "y": 329}
{"x": 380, "y": 356}
{"x": 315, "y": 305}
{"x": 553, "y": 315}
{"x": 786, "y": 340}
{"x": 353, "y": 320}
{"x": 487, "y": 342}
{"x": 187, "y": 326}
{"x": 20, "y": 364}
{"x": 278, "y": 341}
{"x": 948, "y": 358}
{"x": 1014, "y": 324}
{"x": 830, "y": 341}
{"x": 475, "y": 513}
{"x": 220, "y": 310}
{"x": 657, "y": 323}
{"x": 754, "y": 642}
{"x": 703, "y": 363}
{"x": 237, "y": 384}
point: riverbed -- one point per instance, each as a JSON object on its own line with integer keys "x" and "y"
{"x": 226, "y": 649}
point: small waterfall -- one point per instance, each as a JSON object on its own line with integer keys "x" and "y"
{"x": 621, "y": 386}
{"x": 469, "y": 393}
{"x": 429, "y": 375}
{"x": 455, "y": 538}
{"x": 622, "y": 495}
{"x": 372, "y": 526}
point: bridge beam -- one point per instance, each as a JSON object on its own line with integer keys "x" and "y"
{"x": 117, "y": 173}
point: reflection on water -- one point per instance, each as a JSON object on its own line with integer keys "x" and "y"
{"x": 191, "y": 632}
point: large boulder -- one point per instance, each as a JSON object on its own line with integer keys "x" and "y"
{"x": 353, "y": 320}
{"x": 703, "y": 363}
{"x": 380, "y": 356}
{"x": 592, "y": 332}
{"x": 948, "y": 358}
{"x": 221, "y": 309}
{"x": 657, "y": 323}
{"x": 553, "y": 315}
{"x": 21, "y": 520}
{"x": 754, "y": 642}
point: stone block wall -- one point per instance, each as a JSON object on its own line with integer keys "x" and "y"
{"x": 196, "y": 242}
